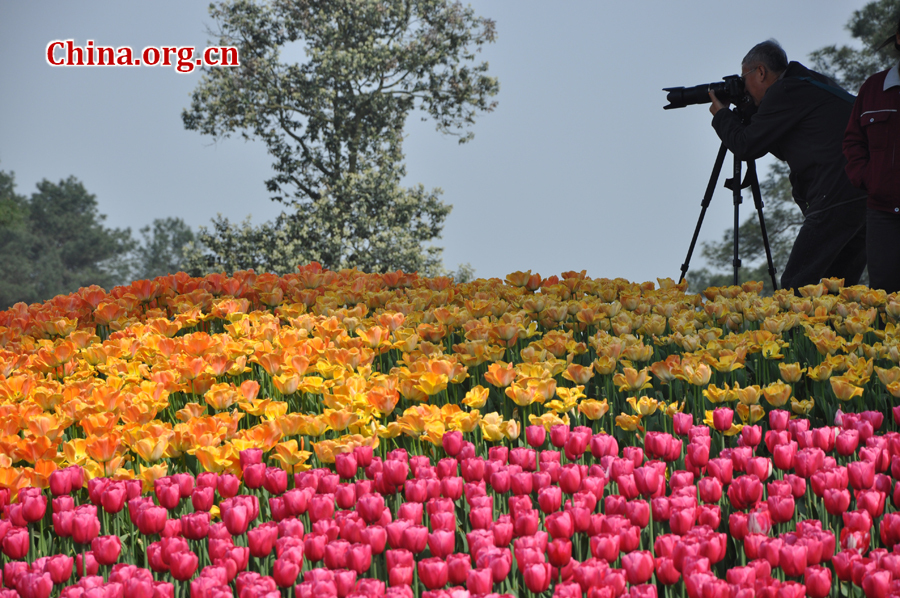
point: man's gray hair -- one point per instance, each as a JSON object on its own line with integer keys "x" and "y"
{"x": 769, "y": 54}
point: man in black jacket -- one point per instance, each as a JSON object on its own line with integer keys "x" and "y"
{"x": 801, "y": 119}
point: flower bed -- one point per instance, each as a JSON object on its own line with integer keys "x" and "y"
{"x": 348, "y": 434}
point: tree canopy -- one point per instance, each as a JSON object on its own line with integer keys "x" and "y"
{"x": 333, "y": 121}
{"x": 55, "y": 242}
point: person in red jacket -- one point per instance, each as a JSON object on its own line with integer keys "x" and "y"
{"x": 872, "y": 148}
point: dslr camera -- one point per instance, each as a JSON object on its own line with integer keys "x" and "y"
{"x": 729, "y": 91}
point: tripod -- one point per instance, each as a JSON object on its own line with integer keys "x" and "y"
{"x": 735, "y": 185}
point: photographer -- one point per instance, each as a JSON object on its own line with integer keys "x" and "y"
{"x": 801, "y": 119}
{"x": 870, "y": 145}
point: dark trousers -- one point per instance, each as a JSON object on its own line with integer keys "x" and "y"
{"x": 883, "y": 249}
{"x": 831, "y": 244}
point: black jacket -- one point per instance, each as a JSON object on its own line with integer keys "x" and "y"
{"x": 803, "y": 125}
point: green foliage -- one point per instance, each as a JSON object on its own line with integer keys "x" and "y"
{"x": 333, "y": 124}
{"x": 871, "y": 25}
{"x": 162, "y": 248}
{"x": 848, "y": 66}
{"x": 55, "y": 242}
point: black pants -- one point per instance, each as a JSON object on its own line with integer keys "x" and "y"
{"x": 883, "y": 248}
{"x": 831, "y": 244}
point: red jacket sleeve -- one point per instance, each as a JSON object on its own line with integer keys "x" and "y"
{"x": 856, "y": 144}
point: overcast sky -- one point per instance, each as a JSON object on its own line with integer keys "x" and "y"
{"x": 577, "y": 168}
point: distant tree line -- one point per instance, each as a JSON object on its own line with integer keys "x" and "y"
{"x": 55, "y": 241}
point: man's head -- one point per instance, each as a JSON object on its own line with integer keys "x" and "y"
{"x": 761, "y": 67}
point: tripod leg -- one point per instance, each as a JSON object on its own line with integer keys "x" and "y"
{"x": 757, "y": 200}
{"x": 736, "y": 193}
{"x": 707, "y": 198}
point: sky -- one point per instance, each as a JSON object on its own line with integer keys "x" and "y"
{"x": 578, "y": 168}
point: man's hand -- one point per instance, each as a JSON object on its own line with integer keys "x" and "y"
{"x": 716, "y": 103}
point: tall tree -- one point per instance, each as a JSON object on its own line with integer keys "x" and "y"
{"x": 16, "y": 273}
{"x": 55, "y": 242}
{"x": 849, "y": 66}
{"x": 334, "y": 121}
{"x": 161, "y": 250}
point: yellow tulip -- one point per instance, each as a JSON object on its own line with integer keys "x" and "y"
{"x": 843, "y": 389}
{"x": 594, "y": 409}
{"x": 629, "y": 423}
{"x": 643, "y": 406}
{"x": 750, "y": 414}
{"x": 631, "y": 380}
{"x": 476, "y": 397}
{"x": 777, "y": 393}
{"x": 492, "y": 427}
{"x": 716, "y": 395}
{"x": 790, "y": 372}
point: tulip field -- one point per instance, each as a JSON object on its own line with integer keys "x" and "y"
{"x": 350, "y": 435}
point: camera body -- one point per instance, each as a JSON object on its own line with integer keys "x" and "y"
{"x": 729, "y": 91}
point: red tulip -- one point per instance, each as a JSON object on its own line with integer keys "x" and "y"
{"x": 86, "y": 565}
{"x": 228, "y": 485}
{"x": 682, "y": 423}
{"x": 254, "y": 475}
{"x": 550, "y": 499}
{"x": 722, "y": 469}
{"x": 236, "y": 519}
{"x": 647, "y": 480}
{"x": 793, "y": 559}
{"x": 458, "y": 567}
{"x": 183, "y": 564}
{"x": 559, "y": 552}
{"x": 346, "y": 466}
{"x": 35, "y": 585}
{"x": 560, "y": 525}
{"x": 638, "y": 513}
{"x": 682, "y": 520}
{"x": 666, "y": 573}
{"x": 363, "y": 455}
{"x": 535, "y": 436}
{"x": 400, "y": 576}
{"x": 781, "y": 508}
{"x": 452, "y": 442}
{"x": 876, "y": 584}
{"x": 336, "y": 554}
{"x": 698, "y": 453}
{"x": 261, "y": 540}
{"x": 722, "y": 418}
{"x": 359, "y": 558}
{"x": 151, "y": 520}
{"x": 106, "y": 549}
{"x": 710, "y": 489}
{"x": 745, "y": 491}
{"x": 60, "y": 482}
{"x": 202, "y": 498}
{"x": 433, "y": 573}
{"x": 479, "y": 581}
{"x": 395, "y": 471}
{"x": 314, "y": 547}
{"x": 537, "y": 577}
{"x": 250, "y": 456}
{"x": 605, "y": 546}
{"x": 285, "y": 572}
{"x": 442, "y": 543}
{"x": 414, "y": 538}
{"x": 638, "y": 566}
{"x": 60, "y": 568}
{"x": 861, "y": 474}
